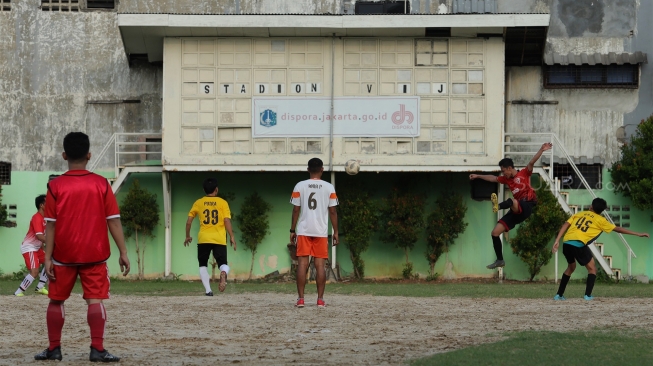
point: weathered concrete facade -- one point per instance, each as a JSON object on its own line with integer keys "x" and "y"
{"x": 586, "y": 120}
{"x": 51, "y": 65}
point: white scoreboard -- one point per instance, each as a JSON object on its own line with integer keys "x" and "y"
{"x": 211, "y": 85}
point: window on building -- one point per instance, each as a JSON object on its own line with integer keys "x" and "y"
{"x": 5, "y": 173}
{"x": 570, "y": 180}
{"x": 591, "y": 76}
{"x": 5, "y": 5}
{"x": 382, "y": 7}
{"x": 100, "y": 4}
{"x": 60, "y": 5}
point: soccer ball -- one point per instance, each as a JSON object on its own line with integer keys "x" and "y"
{"x": 352, "y": 167}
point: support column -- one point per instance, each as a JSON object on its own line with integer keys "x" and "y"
{"x": 333, "y": 247}
{"x": 167, "y": 213}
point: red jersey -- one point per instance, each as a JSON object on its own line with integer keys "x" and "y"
{"x": 520, "y": 185}
{"x": 80, "y": 203}
{"x": 31, "y": 243}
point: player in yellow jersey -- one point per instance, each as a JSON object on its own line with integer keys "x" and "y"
{"x": 215, "y": 223}
{"x": 584, "y": 228}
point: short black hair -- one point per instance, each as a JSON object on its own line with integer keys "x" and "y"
{"x": 39, "y": 201}
{"x": 76, "y": 145}
{"x": 506, "y": 163}
{"x": 314, "y": 165}
{"x": 599, "y": 205}
{"x": 210, "y": 184}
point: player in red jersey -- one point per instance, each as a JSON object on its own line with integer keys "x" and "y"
{"x": 79, "y": 207}
{"x": 32, "y": 250}
{"x": 521, "y": 207}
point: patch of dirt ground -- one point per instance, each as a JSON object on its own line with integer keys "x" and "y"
{"x": 267, "y": 329}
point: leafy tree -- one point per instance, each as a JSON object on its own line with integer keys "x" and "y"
{"x": 3, "y": 210}
{"x": 139, "y": 214}
{"x": 444, "y": 225}
{"x": 632, "y": 175}
{"x": 357, "y": 222}
{"x": 254, "y": 223}
{"x": 535, "y": 234}
{"x": 401, "y": 220}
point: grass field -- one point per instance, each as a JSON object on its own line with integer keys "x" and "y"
{"x": 422, "y": 323}
{"x": 423, "y": 289}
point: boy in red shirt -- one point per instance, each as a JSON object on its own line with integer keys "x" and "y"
{"x": 521, "y": 207}
{"x": 79, "y": 207}
{"x": 32, "y": 250}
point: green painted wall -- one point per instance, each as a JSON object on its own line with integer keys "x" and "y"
{"x": 470, "y": 254}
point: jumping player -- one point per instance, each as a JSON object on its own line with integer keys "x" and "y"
{"x": 79, "y": 207}
{"x": 584, "y": 228}
{"x": 521, "y": 207}
{"x": 32, "y": 250}
{"x": 215, "y": 217}
{"x": 314, "y": 201}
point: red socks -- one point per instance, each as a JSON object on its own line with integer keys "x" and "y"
{"x": 55, "y": 319}
{"x": 97, "y": 318}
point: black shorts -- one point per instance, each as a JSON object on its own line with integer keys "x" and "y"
{"x": 204, "y": 251}
{"x": 511, "y": 219}
{"x": 582, "y": 255}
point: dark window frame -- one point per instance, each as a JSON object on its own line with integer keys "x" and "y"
{"x": 577, "y": 72}
{"x": 593, "y": 174}
{"x": 101, "y": 4}
{"x": 5, "y": 5}
{"x": 382, "y": 7}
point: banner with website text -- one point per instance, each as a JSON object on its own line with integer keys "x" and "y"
{"x": 353, "y": 117}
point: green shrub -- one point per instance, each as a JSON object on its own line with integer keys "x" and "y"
{"x": 531, "y": 243}
{"x": 254, "y": 224}
{"x": 402, "y": 218}
{"x": 139, "y": 213}
{"x": 443, "y": 226}
{"x": 357, "y": 221}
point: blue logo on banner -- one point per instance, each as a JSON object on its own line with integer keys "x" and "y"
{"x": 268, "y": 118}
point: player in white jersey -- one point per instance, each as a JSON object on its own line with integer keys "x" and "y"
{"x": 32, "y": 250}
{"x": 315, "y": 202}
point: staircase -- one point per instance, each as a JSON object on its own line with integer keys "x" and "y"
{"x": 521, "y": 147}
{"x": 132, "y": 153}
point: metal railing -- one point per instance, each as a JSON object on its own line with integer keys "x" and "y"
{"x": 526, "y": 140}
{"x": 131, "y": 149}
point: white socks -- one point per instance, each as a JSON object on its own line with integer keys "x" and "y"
{"x": 204, "y": 275}
{"x": 26, "y": 283}
{"x": 224, "y": 268}
{"x": 42, "y": 279}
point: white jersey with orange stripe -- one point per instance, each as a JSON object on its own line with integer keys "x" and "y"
{"x": 314, "y": 196}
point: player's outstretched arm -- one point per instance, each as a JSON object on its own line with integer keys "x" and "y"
{"x": 49, "y": 248}
{"x": 188, "y": 239}
{"x": 227, "y": 225}
{"x": 115, "y": 228}
{"x": 489, "y": 178}
{"x": 562, "y": 232}
{"x": 333, "y": 215}
{"x": 621, "y": 230}
{"x": 546, "y": 146}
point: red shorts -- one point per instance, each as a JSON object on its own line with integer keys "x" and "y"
{"x": 94, "y": 277}
{"x": 34, "y": 259}
{"x": 317, "y": 247}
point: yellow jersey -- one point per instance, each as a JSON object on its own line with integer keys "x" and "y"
{"x": 211, "y": 211}
{"x": 586, "y": 226}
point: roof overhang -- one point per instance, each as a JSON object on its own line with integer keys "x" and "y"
{"x": 144, "y": 33}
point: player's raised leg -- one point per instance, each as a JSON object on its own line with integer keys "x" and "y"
{"x": 32, "y": 263}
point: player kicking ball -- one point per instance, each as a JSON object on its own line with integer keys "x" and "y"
{"x": 32, "y": 250}
{"x": 583, "y": 229}
{"x": 79, "y": 206}
{"x": 315, "y": 202}
{"x": 215, "y": 222}
{"x": 521, "y": 206}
